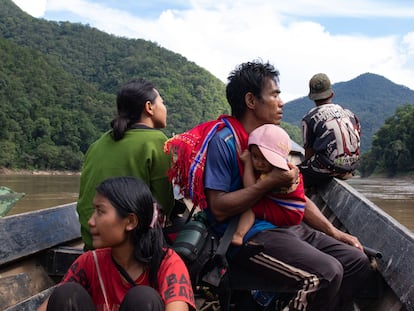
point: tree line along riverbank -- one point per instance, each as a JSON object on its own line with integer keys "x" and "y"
{"x": 7, "y": 171}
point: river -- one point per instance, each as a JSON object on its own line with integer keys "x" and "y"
{"x": 394, "y": 196}
{"x": 41, "y": 191}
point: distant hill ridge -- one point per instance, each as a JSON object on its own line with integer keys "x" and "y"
{"x": 371, "y": 97}
{"x": 58, "y": 82}
{"x": 105, "y": 62}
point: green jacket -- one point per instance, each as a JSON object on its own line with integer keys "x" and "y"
{"x": 139, "y": 153}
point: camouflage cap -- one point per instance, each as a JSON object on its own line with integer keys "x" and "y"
{"x": 319, "y": 87}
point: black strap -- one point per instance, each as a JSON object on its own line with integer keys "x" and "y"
{"x": 124, "y": 273}
{"x": 190, "y": 215}
{"x": 215, "y": 276}
{"x": 227, "y": 236}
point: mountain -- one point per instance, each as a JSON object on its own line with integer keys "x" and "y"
{"x": 371, "y": 97}
{"x": 105, "y": 62}
{"x": 58, "y": 82}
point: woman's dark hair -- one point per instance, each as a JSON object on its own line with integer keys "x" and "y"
{"x": 132, "y": 195}
{"x": 130, "y": 103}
{"x": 248, "y": 77}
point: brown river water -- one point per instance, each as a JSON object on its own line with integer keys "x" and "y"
{"x": 394, "y": 196}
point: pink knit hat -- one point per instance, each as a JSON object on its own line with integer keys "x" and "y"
{"x": 273, "y": 142}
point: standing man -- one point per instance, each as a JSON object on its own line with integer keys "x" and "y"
{"x": 331, "y": 136}
{"x": 325, "y": 265}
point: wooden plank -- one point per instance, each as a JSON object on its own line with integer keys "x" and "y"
{"x": 33, "y": 302}
{"x": 25, "y": 234}
{"x": 378, "y": 230}
{"x": 14, "y": 288}
{"x": 28, "y": 277}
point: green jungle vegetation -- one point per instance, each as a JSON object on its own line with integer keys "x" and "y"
{"x": 58, "y": 82}
{"x": 392, "y": 151}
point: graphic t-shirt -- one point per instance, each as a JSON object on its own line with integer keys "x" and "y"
{"x": 173, "y": 279}
{"x": 334, "y": 133}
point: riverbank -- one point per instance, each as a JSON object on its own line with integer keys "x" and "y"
{"x": 409, "y": 174}
{"x": 405, "y": 176}
{"x": 6, "y": 171}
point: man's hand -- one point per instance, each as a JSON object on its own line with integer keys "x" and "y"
{"x": 281, "y": 178}
{"x": 348, "y": 239}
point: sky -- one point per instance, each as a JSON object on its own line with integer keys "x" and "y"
{"x": 342, "y": 38}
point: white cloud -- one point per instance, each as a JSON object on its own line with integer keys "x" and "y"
{"x": 218, "y": 35}
{"x": 408, "y": 41}
{"x": 36, "y": 8}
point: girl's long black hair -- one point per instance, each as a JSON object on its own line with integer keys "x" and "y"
{"x": 132, "y": 195}
{"x": 130, "y": 102}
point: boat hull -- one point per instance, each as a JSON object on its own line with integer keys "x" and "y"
{"x": 38, "y": 247}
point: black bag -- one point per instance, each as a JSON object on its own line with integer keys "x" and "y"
{"x": 190, "y": 241}
{"x": 203, "y": 251}
{"x": 196, "y": 244}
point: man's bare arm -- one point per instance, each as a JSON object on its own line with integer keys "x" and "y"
{"x": 314, "y": 218}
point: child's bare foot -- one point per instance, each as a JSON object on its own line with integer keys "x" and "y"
{"x": 237, "y": 239}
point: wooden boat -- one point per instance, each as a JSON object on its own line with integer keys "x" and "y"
{"x": 347, "y": 209}
{"x": 8, "y": 198}
{"x": 36, "y": 249}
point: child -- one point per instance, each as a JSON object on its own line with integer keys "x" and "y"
{"x": 131, "y": 267}
{"x": 269, "y": 147}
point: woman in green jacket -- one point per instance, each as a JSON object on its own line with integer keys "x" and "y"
{"x": 134, "y": 147}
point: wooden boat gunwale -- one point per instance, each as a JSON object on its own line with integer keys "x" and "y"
{"x": 364, "y": 219}
{"x": 28, "y": 261}
{"x": 44, "y": 244}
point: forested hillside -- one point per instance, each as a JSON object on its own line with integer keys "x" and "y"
{"x": 48, "y": 118}
{"x": 392, "y": 151}
{"x": 372, "y": 97}
{"x": 58, "y": 82}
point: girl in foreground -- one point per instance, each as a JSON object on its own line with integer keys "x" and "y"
{"x": 131, "y": 268}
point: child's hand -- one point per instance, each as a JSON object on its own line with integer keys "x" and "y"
{"x": 245, "y": 156}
